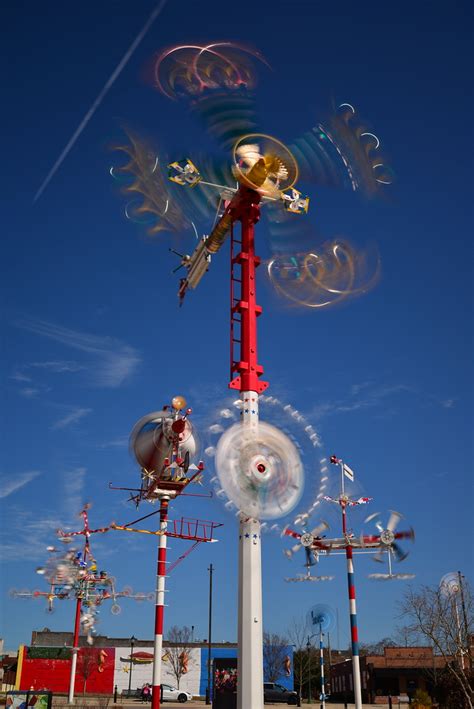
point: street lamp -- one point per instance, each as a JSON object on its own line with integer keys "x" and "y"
{"x": 133, "y": 640}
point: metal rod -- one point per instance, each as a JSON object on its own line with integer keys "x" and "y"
{"x": 309, "y": 671}
{"x": 209, "y": 639}
{"x": 321, "y": 665}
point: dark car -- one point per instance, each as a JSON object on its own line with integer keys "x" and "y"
{"x": 275, "y": 693}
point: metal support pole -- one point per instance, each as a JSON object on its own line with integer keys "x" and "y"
{"x": 75, "y": 649}
{"x": 209, "y": 640}
{"x": 250, "y": 630}
{"x": 309, "y": 672}
{"x": 353, "y": 617}
{"x": 321, "y": 666}
{"x": 160, "y": 604}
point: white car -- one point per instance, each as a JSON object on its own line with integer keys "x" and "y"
{"x": 172, "y": 694}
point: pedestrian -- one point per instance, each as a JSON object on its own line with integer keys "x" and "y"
{"x": 145, "y": 693}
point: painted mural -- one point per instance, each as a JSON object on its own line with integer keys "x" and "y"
{"x": 100, "y": 669}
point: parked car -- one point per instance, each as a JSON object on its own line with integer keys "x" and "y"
{"x": 276, "y": 693}
{"x": 171, "y": 694}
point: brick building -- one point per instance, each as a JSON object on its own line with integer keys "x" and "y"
{"x": 399, "y": 671}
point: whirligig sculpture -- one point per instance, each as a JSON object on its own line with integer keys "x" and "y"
{"x": 386, "y": 540}
{"x": 258, "y": 466}
{"x": 76, "y": 572}
{"x": 165, "y": 445}
{"x": 321, "y": 619}
{"x": 73, "y": 575}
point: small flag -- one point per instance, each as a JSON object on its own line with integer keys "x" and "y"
{"x": 348, "y": 472}
{"x": 334, "y": 460}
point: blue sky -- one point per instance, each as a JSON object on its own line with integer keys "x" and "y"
{"x": 93, "y": 338}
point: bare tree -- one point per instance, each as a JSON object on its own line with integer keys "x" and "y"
{"x": 178, "y": 654}
{"x": 87, "y": 663}
{"x": 298, "y": 633}
{"x": 405, "y": 636}
{"x": 435, "y": 616}
{"x": 375, "y": 648}
{"x": 275, "y": 652}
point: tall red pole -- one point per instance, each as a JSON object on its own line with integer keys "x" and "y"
{"x": 250, "y": 626}
{"x": 247, "y": 211}
{"x": 160, "y": 604}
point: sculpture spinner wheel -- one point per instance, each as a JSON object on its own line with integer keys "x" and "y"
{"x": 388, "y": 539}
{"x": 260, "y": 470}
{"x": 292, "y": 489}
{"x": 306, "y": 542}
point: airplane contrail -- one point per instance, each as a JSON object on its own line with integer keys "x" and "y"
{"x": 100, "y": 97}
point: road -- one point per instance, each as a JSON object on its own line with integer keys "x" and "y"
{"x": 200, "y": 703}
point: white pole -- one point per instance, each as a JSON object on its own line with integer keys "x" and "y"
{"x": 321, "y": 664}
{"x": 73, "y": 675}
{"x": 250, "y": 630}
{"x": 160, "y": 604}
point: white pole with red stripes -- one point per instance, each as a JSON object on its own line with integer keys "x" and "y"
{"x": 160, "y": 604}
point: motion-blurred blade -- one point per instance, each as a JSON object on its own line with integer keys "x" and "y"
{"x": 320, "y": 528}
{"x": 395, "y": 518}
{"x": 399, "y": 553}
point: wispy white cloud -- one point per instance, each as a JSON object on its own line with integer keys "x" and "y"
{"x": 58, "y": 366}
{"x": 448, "y": 403}
{"x": 371, "y": 398}
{"x": 10, "y": 484}
{"x": 357, "y": 388}
{"x": 30, "y": 530}
{"x": 120, "y": 442}
{"x": 30, "y": 392}
{"x": 20, "y": 376}
{"x": 73, "y": 485}
{"x": 114, "y": 360}
{"x": 71, "y": 418}
{"x": 26, "y": 536}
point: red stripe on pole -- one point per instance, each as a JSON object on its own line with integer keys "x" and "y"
{"x": 155, "y": 697}
{"x": 162, "y": 561}
{"x": 355, "y": 635}
{"x": 159, "y": 620}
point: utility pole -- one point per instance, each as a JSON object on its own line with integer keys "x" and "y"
{"x": 465, "y": 649}
{"x": 209, "y": 639}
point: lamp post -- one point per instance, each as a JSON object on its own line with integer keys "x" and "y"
{"x": 132, "y": 645}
